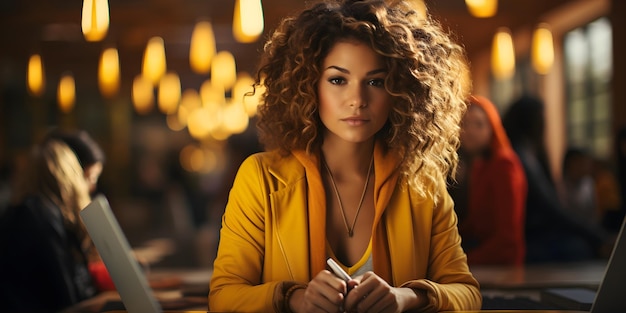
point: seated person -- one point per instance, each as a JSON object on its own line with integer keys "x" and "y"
{"x": 579, "y": 187}
{"x": 552, "y": 234}
{"x": 46, "y": 249}
{"x": 492, "y": 227}
{"x": 360, "y": 118}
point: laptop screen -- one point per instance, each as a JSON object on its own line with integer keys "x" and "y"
{"x": 118, "y": 257}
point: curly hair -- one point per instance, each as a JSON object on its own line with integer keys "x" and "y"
{"x": 427, "y": 79}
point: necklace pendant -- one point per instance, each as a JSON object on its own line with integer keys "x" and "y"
{"x": 351, "y": 233}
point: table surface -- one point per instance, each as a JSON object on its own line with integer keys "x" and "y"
{"x": 172, "y": 284}
{"x": 583, "y": 274}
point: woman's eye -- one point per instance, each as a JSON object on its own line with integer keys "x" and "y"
{"x": 337, "y": 80}
{"x": 377, "y": 82}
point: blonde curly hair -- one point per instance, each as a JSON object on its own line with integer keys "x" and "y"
{"x": 427, "y": 79}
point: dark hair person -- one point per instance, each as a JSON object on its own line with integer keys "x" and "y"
{"x": 361, "y": 122}
{"x": 46, "y": 249}
{"x": 552, "y": 234}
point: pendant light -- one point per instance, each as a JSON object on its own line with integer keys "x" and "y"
{"x": 503, "y": 55}
{"x": 224, "y": 70}
{"x": 169, "y": 93}
{"x": 95, "y": 19}
{"x": 542, "y": 53}
{"x": 66, "y": 93}
{"x": 202, "y": 47}
{"x": 154, "y": 63}
{"x": 248, "y": 20}
{"x": 482, "y": 8}
{"x": 142, "y": 94}
{"x": 109, "y": 73}
{"x": 35, "y": 76}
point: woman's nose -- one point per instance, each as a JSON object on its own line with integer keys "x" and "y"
{"x": 358, "y": 96}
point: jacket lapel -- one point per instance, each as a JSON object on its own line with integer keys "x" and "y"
{"x": 291, "y": 218}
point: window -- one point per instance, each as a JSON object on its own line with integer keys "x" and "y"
{"x": 588, "y": 72}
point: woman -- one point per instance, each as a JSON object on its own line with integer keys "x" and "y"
{"x": 493, "y": 226}
{"x": 46, "y": 249}
{"x": 360, "y": 117}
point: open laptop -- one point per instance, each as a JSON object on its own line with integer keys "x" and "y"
{"x": 609, "y": 297}
{"x": 118, "y": 257}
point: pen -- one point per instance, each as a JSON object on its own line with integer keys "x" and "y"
{"x": 338, "y": 270}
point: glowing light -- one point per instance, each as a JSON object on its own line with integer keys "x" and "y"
{"x": 503, "y": 55}
{"x": 482, "y": 8}
{"x": 542, "y": 49}
{"x": 248, "y": 20}
{"x": 169, "y": 93}
{"x": 66, "y": 93}
{"x": 109, "y": 73}
{"x": 95, "y": 19}
{"x": 142, "y": 95}
{"x": 189, "y": 101}
{"x": 173, "y": 123}
{"x": 235, "y": 119}
{"x": 212, "y": 95}
{"x": 224, "y": 70}
{"x": 202, "y": 47}
{"x": 202, "y": 121}
{"x": 35, "y": 76}
{"x": 242, "y": 92}
{"x": 154, "y": 63}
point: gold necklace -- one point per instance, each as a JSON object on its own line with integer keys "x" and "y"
{"x": 358, "y": 209}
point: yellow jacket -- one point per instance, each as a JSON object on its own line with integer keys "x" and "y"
{"x": 273, "y": 236}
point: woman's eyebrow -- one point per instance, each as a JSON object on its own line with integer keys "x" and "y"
{"x": 346, "y": 71}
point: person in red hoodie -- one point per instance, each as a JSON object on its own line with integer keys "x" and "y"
{"x": 493, "y": 209}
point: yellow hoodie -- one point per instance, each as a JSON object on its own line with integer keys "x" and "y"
{"x": 273, "y": 236}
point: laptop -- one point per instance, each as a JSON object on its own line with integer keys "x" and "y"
{"x": 118, "y": 257}
{"x": 609, "y": 297}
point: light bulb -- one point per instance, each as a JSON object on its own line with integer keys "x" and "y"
{"x": 66, "y": 93}
{"x": 142, "y": 94}
{"x": 248, "y": 20}
{"x": 202, "y": 47}
{"x": 503, "y": 55}
{"x": 482, "y": 8}
{"x": 542, "y": 56}
{"x": 95, "y": 19}
{"x": 223, "y": 70}
{"x": 154, "y": 63}
{"x": 169, "y": 93}
{"x": 35, "y": 75}
{"x": 109, "y": 73}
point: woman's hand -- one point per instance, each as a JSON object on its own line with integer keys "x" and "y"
{"x": 373, "y": 294}
{"x": 325, "y": 293}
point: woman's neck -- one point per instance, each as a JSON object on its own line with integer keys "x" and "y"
{"x": 348, "y": 158}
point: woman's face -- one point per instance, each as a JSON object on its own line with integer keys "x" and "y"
{"x": 92, "y": 174}
{"x": 353, "y": 102}
{"x": 476, "y": 131}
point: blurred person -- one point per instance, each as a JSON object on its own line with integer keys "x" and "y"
{"x": 620, "y": 152}
{"x": 360, "y": 120}
{"x": 552, "y": 233}
{"x": 607, "y": 195}
{"x": 5, "y": 187}
{"x": 46, "y": 249}
{"x": 493, "y": 226}
{"x": 579, "y": 187}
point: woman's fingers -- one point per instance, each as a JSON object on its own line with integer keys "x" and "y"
{"x": 326, "y": 293}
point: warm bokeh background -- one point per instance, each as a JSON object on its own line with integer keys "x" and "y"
{"x": 165, "y": 183}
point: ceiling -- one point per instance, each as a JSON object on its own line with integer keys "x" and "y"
{"x": 52, "y": 28}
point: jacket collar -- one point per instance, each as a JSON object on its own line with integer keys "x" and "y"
{"x": 385, "y": 173}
